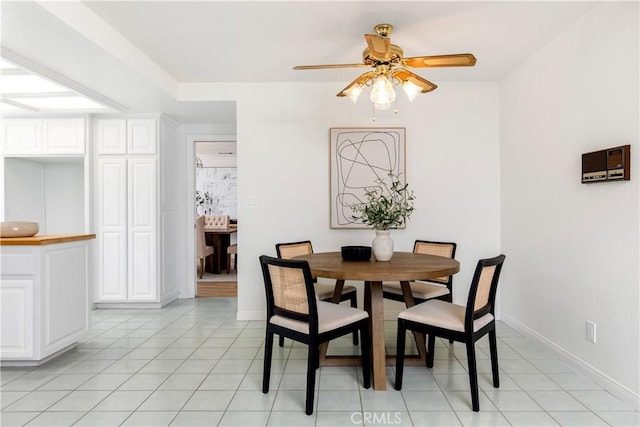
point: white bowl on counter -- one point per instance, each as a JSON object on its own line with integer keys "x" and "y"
{"x": 18, "y": 229}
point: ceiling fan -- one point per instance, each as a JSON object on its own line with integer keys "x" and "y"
{"x": 390, "y": 67}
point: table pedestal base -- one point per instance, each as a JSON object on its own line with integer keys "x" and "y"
{"x": 374, "y": 305}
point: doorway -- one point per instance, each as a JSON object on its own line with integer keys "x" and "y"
{"x": 215, "y": 184}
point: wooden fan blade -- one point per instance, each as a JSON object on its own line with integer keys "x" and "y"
{"x": 319, "y": 67}
{"x": 404, "y": 75}
{"x": 361, "y": 80}
{"x": 456, "y": 60}
{"x": 380, "y": 47}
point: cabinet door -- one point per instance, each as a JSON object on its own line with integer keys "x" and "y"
{"x": 142, "y": 219}
{"x": 112, "y": 229}
{"x": 141, "y": 136}
{"x": 63, "y": 136}
{"x": 21, "y": 136}
{"x": 64, "y": 296}
{"x": 111, "y": 136}
{"x": 16, "y": 303}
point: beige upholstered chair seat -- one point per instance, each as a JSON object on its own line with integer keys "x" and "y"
{"x": 330, "y": 317}
{"x": 421, "y": 290}
{"x": 424, "y": 290}
{"x": 442, "y": 314}
{"x": 324, "y": 291}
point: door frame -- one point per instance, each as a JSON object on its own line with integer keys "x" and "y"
{"x": 188, "y": 286}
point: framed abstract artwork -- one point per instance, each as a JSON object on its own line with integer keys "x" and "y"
{"x": 359, "y": 157}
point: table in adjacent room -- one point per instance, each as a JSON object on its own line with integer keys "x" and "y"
{"x": 220, "y": 239}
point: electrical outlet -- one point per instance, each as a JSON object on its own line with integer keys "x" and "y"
{"x": 591, "y": 331}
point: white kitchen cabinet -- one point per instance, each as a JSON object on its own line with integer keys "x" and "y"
{"x": 127, "y": 230}
{"x": 128, "y": 213}
{"x": 141, "y": 136}
{"x": 126, "y": 136}
{"x": 111, "y": 136}
{"x": 43, "y": 136}
{"x": 17, "y": 318}
{"x": 142, "y": 212}
{"x": 44, "y": 297}
{"x": 63, "y": 136}
{"x": 111, "y": 229}
{"x": 21, "y": 136}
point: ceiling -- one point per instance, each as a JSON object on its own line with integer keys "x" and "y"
{"x": 175, "y": 42}
{"x": 23, "y": 90}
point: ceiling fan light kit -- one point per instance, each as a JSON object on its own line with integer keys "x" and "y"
{"x": 390, "y": 70}
{"x": 382, "y": 93}
{"x": 412, "y": 90}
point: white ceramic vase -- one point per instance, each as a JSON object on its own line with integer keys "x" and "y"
{"x": 382, "y": 245}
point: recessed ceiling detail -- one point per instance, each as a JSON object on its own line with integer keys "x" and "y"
{"x": 22, "y": 90}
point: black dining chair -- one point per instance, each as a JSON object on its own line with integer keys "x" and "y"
{"x": 293, "y": 311}
{"x": 324, "y": 291}
{"x": 459, "y": 323}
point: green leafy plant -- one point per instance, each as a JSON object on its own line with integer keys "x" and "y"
{"x": 388, "y": 205}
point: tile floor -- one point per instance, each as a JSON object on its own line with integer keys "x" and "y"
{"x": 193, "y": 364}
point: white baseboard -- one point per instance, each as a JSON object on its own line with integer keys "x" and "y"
{"x": 600, "y": 378}
{"x": 29, "y": 363}
{"x": 169, "y": 298}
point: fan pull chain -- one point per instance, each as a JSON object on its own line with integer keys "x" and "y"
{"x": 373, "y": 108}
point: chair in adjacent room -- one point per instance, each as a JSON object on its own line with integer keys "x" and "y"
{"x": 293, "y": 311}
{"x": 202, "y": 250}
{"x": 216, "y": 222}
{"x": 423, "y": 290}
{"x": 232, "y": 250}
{"x": 324, "y": 291}
{"x": 459, "y": 323}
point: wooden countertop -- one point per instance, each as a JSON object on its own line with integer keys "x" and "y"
{"x": 46, "y": 239}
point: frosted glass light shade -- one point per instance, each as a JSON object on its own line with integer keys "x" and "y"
{"x": 411, "y": 90}
{"x": 354, "y": 92}
{"x": 382, "y": 93}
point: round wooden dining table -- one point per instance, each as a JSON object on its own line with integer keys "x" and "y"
{"x": 403, "y": 267}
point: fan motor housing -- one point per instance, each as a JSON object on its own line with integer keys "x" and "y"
{"x": 396, "y": 56}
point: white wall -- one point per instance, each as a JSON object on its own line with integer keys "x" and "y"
{"x": 23, "y": 191}
{"x": 572, "y": 249}
{"x": 283, "y": 160}
{"x": 49, "y": 191}
{"x": 63, "y": 184}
